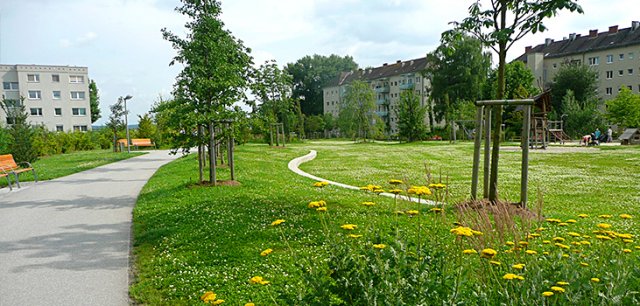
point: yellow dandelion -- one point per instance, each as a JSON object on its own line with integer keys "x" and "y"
{"x": 547, "y": 293}
{"x": 626, "y": 216}
{"x": 488, "y": 253}
{"x": 419, "y": 190}
{"x": 604, "y": 225}
{"x": 378, "y": 191}
{"x": 266, "y": 252}
{"x": 604, "y": 216}
{"x": 562, "y": 246}
{"x": 368, "y": 204}
{"x": 545, "y": 253}
{"x": 495, "y": 262}
{"x": 626, "y": 250}
{"x": 511, "y": 276}
{"x": 208, "y": 296}
{"x": 395, "y": 191}
{"x": 379, "y": 246}
{"x": 469, "y": 251}
{"x": 510, "y": 243}
{"x": 348, "y": 227}
{"x": 553, "y": 220}
{"x": 557, "y": 289}
{"x": 563, "y": 224}
{"x": 250, "y": 304}
{"x": 595, "y": 279}
{"x": 603, "y": 237}
{"x": 540, "y": 229}
{"x": 354, "y": 236}
{"x": 624, "y": 236}
{"x": 435, "y": 209}
{"x": 437, "y": 186}
{"x": 531, "y": 252}
{"x": 320, "y": 184}
{"x": 584, "y": 264}
{"x": 395, "y": 182}
{"x": 546, "y": 241}
{"x": 217, "y": 302}
{"x": 258, "y": 280}
{"x": 627, "y": 240}
{"x": 412, "y": 212}
{"x": 399, "y": 212}
{"x": 462, "y": 231}
{"x": 562, "y": 283}
{"x": 518, "y": 266}
{"x": 584, "y": 242}
{"x": 321, "y": 209}
{"x": 571, "y": 221}
{"x": 583, "y": 216}
{"x": 574, "y": 234}
{"x": 277, "y": 222}
{"x": 558, "y": 239}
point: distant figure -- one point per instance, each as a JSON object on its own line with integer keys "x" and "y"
{"x": 586, "y": 139}
{"x": 597, "y": 133}
{"x": 609, "y": 135}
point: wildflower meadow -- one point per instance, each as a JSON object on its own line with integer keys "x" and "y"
{"x": 282, "y": 239}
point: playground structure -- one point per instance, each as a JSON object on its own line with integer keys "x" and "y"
{"x": 544, "y": 130}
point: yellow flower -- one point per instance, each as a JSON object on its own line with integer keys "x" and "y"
{"x": 557, "y": 289}
{"x": 435, "y": 209}
{"x": 320, "y": 184}
{"x": 510, "y": 243}
{"x": 321, "y": 209}
{"x": 208, "y": 297}
{"x": 395, "y": 182}
{"x": 583, "y": 215}
{"x": 604, "y": 216}
{"x": 595, "y": 280}
{"x": 354, "y": 236}
{"x": 603, "y": 237}
{"x": 565, "y": 255}
{"x": 348, "y": 227}
{"x": 462, "y": 231}
{"x": 558, "y": 239}
{"x": 399, "y": 212}
{"x": 266, "y": 252}
{"x": 518, "y": 266}
{"x": 511, "y": 276}
{"x": 563, "y": 224}
{"x": 277, "y": 222}
{"x": 371, "y": 187}
{"x": 604, "y": 225}
{"x": 379, "y": 246}
{"x": 488, "y": 253}
{"x": 553, "y": 220}
{"x": 469, "y": 251}
{"x": 250, "y": 304}
{"x": 437, "y": 186}
{"x": 495, "y": 263}
{"x": 523, "y": 243}
{"x": 627, "y": 240}
{"x": 626, "y": 216}
{"x": 571, "y": 221}
{"x": 378, "y": 190}
{"x": 584, "y": 264}
{"x": 573, "y": 234}
{"x": 368, "y": 203}
{"x": 545, "y": 253}
{"x": 584, "y": 242}
{"x": 412, "y": 212}
{"x": 534, "y": 235}
{"x": 531, "y": 252}
{"x": 562, "y": 284}
{"x": 217, "y": 302}
{"x": 477, "y": 233}
{"x": 546, "y": 241}
{"x": 638, "y": 247}
{"x": 419, "y": 190}
{"x": 626, "y": 250}
{"x": 540, "y": 229}
{"x": 562, "y": 246}
{"x": 547, "y": 293}
{"x": 624, "y": 236}
{"x": 395, "y": 191}
{"x": 258, "y": 280}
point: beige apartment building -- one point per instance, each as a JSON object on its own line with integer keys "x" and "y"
{"x": 614, "y": 55}
{"x": 388, "y": 81}
{"x": 56, "y": 97}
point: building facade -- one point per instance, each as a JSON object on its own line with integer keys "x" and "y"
{"x": 388, "y": 81}
{"x": 56, "y": 97}
{"x": 614, "y": 55}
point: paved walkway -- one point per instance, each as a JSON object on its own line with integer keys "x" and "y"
{"x": 66, "y": 241}
{"x": 294, "y": 165}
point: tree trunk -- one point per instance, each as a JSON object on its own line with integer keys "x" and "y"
{"x": 212, "y": 155}
{"x": 495, "y": 154}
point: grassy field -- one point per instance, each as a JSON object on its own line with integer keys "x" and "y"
{"x": 189, "y": 240}
{"x": 50, "y": 167}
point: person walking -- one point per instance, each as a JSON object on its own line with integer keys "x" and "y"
{"x": 609, "y": 135}
{"x": 596, "y": 135}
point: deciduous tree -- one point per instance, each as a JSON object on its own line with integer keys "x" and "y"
{"x": 580, "y": 79}
{"x": 357, "y": 118}
{"x": 411, "y": 116}
{"x": 624, "y": 110}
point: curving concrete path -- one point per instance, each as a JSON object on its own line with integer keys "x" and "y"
{"x": 294, "y": 165}
{"x": 66, "y": 241}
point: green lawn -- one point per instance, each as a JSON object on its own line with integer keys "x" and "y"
{"x": 50, "y": 167}
{"x": 189, "y": 240}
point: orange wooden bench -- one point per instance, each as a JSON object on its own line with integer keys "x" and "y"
{"x": 9, "y": 166}
{"x": 137, "y": 142}
{"x": 6, "y": 174}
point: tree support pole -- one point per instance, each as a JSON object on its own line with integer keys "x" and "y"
{"x": 212, "y": 155}
{"x": 200, "y": 153}
{"x": 526, "y": 129}
{"x": 487, "y": 149}
{"x": 476, "y": 153}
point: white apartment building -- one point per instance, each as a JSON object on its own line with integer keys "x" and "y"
{"x": 614, "y": 55}
{"x": 388, "y": 81}
{"x": 56, "y": 97}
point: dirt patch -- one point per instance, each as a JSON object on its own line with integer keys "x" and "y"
{"x": 218, "y": 183}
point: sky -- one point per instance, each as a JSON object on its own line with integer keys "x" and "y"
{"x": 121, "y": 43}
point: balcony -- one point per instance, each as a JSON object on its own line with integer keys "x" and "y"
{"x": 382, "y": 89}
{"x": 382, "y": 113}
{"x": 383, "y": 101}
{"x": 406, "y": 86}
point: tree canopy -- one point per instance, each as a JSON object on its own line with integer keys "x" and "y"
{"x": 580, "y": 79}
{"x": 311, "y": 73}
{"x": 624, "y": 110}
{"x": 357, "y": 118}
{"x": 94, "y": 101}
{"x": 411, "y": 116}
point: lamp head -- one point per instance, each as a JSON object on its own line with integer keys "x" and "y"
{"x": 128, "y": 97}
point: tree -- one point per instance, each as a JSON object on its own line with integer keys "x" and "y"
{"x": 493, "y": 30}
{"x": 215, "y": 74}
{"x": 314, "y": 124}
{"x": 272, "y": 87}
{"x": 357, "y": 118}
{"x": 624, "y": 110}
{"x": 458, "y": 69}
{"x": 94, "y": 101}
{"x": 146, "y": 128}
{"x": 311, "y": 73}
{"x": 580, "y": 79}
{"x": 582, "y": 117}
{"x": 115, "y": 122}
{"x": 411, "y": 116}
{"x": 20, "y": 131}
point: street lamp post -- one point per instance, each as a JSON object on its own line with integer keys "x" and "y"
{"x": 126, "y": 122}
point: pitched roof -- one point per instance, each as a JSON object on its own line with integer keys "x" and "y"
{"x": 384, "y": 71}
{"x": 628, "y": 134}
{"x": 595, "y": 41}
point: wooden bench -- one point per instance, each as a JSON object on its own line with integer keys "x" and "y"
{"x": 9, "y": 166}
{"x": 136, "y": 142}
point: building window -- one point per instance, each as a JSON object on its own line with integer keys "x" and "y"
{"x": 610, "y": 74}
{"x": 630, "y": 71}
{"x": 630, "y": 55}
{"x": 77, "y": 95}
{"x": 609, "y": 91}
{"x": 59, "y": 128}
{"x": 630, "y": 87}
{"x": 621, "y": 56}
{"x": 58, "y": 111}
{"x": 10, "y": 86}
{"x": 609, "y": 59}
{"x": 79, "y": 111}
{"x": 620, "y": 72}
{"x": 33, "y": 78}
{"x": 35, "y": 95}
{"x": 594, "y": 61}
{"x": 82, "y": 128}
{"x": 56, "y": 95}
{"x": 555, "y": 65}
{"x": 76, "y": 79}
{"x": 36, "y": 111}
{"x": 55, "y": 78}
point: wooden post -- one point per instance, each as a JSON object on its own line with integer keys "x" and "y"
{"x": 526, "y": 129}
{"x": 212, "y": 155}
{"x": 231, "y": 158}
{"x": 476, "y": 153}
{"x": 270, "y": 135}
{"x": 487, "y": 150}
{"x": 277, "y": 135}
{"x": 200, "y": 153}
{"x": 284, "y": 136}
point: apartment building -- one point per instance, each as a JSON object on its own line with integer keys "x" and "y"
{"x": 614, "y": 55}
{"x": 56, "y": 97}
{"x": 388, "y": 81}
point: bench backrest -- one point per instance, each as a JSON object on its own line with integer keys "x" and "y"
{"x": 7, "y": 162}
{"x": 141, "y": 141}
